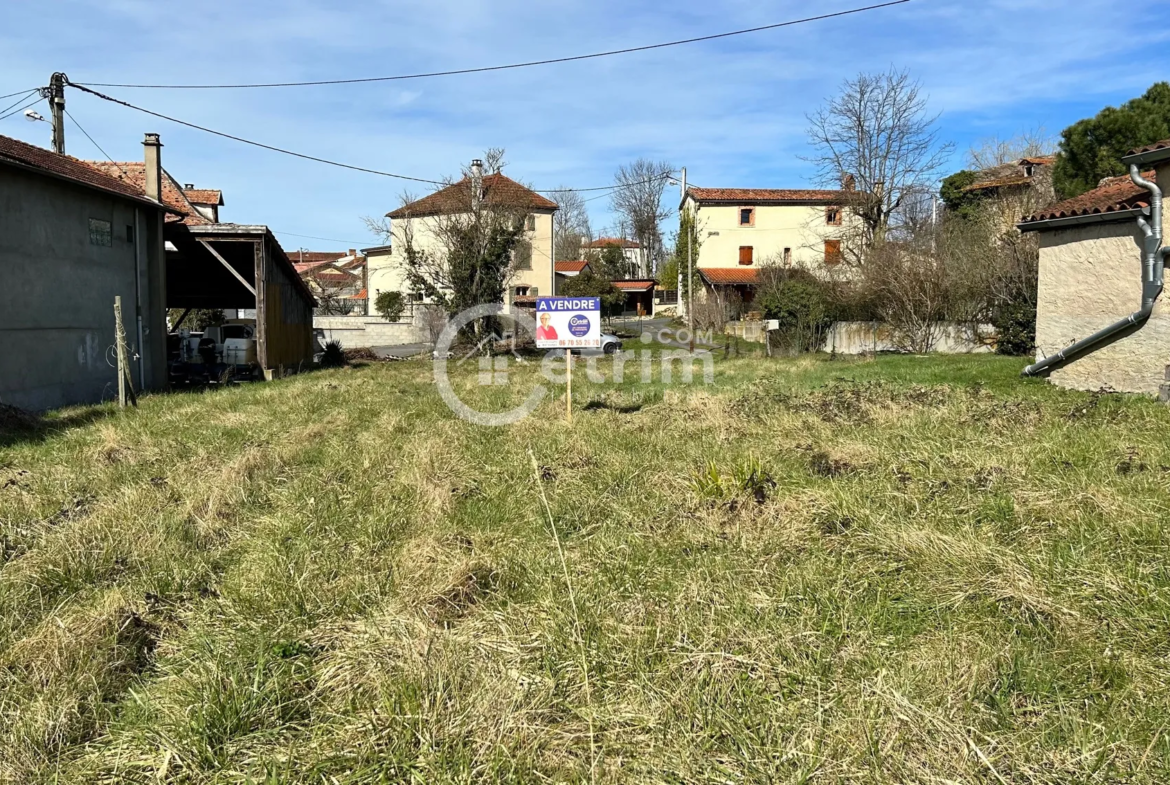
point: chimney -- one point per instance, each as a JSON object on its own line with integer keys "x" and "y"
{"x": 476, "y": 181}
{"x": 848, "y": 182}
{"x": 153, "y": 184}
{"x": 353, "y": 252}
{"x": 188, "y": 186}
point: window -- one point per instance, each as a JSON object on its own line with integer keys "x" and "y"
{"x": 832, "y": 251}
{"x": 521, "y": 291}
{"x": 1028, "y": 170}
{"x": 129, "y": 233}
{"x": 787, "y": 256}
{"x": 522, "y": 256}
{"x": 100, "y": 232}
{"x": 530, "y": 223}
{"x": 833, "y": 215}
{"x": 747, "y": 216}
{"x": 745, "y": 254}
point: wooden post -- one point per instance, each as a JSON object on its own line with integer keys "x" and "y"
{"x": 569, "y": 385}
{"x": 120, "y": 351}
{"x": 125, "y": 386}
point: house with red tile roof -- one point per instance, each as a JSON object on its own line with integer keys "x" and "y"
{"x": 532, "y": 271}
{"x": 741, "y": 229}
{"x": 1091, "y": 278}
{"x": 74, "y": 239}
{"x": 635, "y": 256}
{"x": 337, "y": 280}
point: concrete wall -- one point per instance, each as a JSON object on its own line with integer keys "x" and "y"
{"x": 1090, "y": 277}
{"x": 57, "y": 292}
{"x": 865, "y": 337}
{"x": 387, "y": 271}
{"x": 362, "y": 332}
{"x": 801, "y": 228}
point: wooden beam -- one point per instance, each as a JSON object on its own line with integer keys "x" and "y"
{"x": 230, "y": 269}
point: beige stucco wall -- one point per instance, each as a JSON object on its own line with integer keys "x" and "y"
{"x": 799, "y": 227}
{"x": 387, "y": 272}
{"x": 1090, "y": 277}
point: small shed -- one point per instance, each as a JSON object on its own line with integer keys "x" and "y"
{"x": 639, "y": 295}
{"x": 243, "y": 266}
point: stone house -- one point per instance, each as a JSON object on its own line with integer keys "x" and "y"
{"x": 1016, "y": 188}
{"x": 1092, "y": 277}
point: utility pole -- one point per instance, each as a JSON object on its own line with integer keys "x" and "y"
{"x": 691, "y": 231}
{"x": 57, "y": 105}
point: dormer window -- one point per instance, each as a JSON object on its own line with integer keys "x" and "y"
{"x": 1028, "y": 169}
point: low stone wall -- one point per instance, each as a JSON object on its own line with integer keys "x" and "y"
{"x": 362, "y": 332}
{"x": 747, "y": 330}
{"x": 865, "y": 337}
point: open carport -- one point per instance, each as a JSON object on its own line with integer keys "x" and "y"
{"x": 243, "y": 267}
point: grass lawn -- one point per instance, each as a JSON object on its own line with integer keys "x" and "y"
{"x": 829, "y": 571}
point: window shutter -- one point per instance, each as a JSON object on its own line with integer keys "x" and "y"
{"x": 832, "y": 251}
{"x": 745, "y": 254}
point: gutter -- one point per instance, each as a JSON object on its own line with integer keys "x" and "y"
{"x": 1153, "y": 262}
{"x": 1081, "y": 220}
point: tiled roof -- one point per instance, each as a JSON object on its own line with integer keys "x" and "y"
{"x": 1039, "y": 160}
{"x": 1162, "y": 145}
{"x": 571, "y": 267}
{"x": 498, "y": 190}
{"x": 767, "y": 195}
{"x": 602, "y": 242}
{"x": 133, "y": 173}
{"x": 1113, "y": 195}
{"x": 204, "y": 196}
{"x": 64, "y": 166}
{"x": 298, "y": 257}
{"x": 1000, "y": 182}
{"x": 730, "y": 275}
{"x": 634, "y": 286}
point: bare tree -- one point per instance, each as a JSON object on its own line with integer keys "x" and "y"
{"x": 876, "y": 137}
{"x": 571, "y": 225}
{"x": 493, "y": 160}
{"x": 637, "y": 198}
{"x": 994, "y": 151}
{"x": 380, "y": 226}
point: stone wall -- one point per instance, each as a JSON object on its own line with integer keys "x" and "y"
{"x": 363, "y": 332}
{"x": 865, "y": 337}
{"x": 1090, "y": 277}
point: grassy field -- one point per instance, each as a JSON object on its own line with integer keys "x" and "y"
{"x": 829, "y": 571}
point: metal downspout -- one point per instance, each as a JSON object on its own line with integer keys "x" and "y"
{"x": 138, "y": 300}
{"x": 1153, "y": 264}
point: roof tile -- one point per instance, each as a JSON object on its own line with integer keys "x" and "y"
{"x": 602, "y": 242}
{"x": 455, "y": 198}
{"x": 750, "y": 196}
{"x": 730, "y": 275}
{"x": 204, "y": 196}
{"x": 1113, "y": 195}
{"x": 133, "y": 173}
{"x": 64, "y": 166}
{"x": 571, "y": 267}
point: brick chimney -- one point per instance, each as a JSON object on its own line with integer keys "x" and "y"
{"x": 153, "y": 158}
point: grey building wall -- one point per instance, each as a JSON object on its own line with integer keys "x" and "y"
{"x": 57, "y": 289}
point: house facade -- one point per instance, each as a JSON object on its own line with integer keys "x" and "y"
{"x": 71, "y": 240}
{"x": 741, "y": 229}
{"x": 1014, "y": 189}
{"x": 635, "y": 255}
{"x": 421, "y": 222}
{"x": 1091, "y": 277}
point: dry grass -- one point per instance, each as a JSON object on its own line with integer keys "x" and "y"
{"x": 899, "y": 570}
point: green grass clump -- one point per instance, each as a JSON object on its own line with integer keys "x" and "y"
{"x": 888, "y": 570}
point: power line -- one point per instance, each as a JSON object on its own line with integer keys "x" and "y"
{"x": 319, "y": 160}
{"x": 94, "y": 143}
{"x": 19, "y": 92}
{"x": 311, "y": 237}
{"x": 21, "y": 109}
{"x": 530, "y": 64}
{"x": 27, "y": 93}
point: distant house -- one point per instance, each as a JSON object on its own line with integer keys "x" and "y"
{"x": 1091, "y": 277}
{"x": 337, "y": 280}
{"x": 741, "y": 229}
{"x": 567, "y": 270}
{"x": 207, "y": 201}
{"x": 71, "y": 240}
{"x": 636, "y": 262}
{"x": 1017, "y": 188}
{"x": 532, "y": 272}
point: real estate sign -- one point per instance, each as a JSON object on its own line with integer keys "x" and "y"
{"x": 568, "y": 322}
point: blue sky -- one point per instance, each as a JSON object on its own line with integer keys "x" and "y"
{"x": 733, "y": 111}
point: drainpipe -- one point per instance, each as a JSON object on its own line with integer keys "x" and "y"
{"x": 138, "y": 300}
{"x": 1153, "y": 262}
